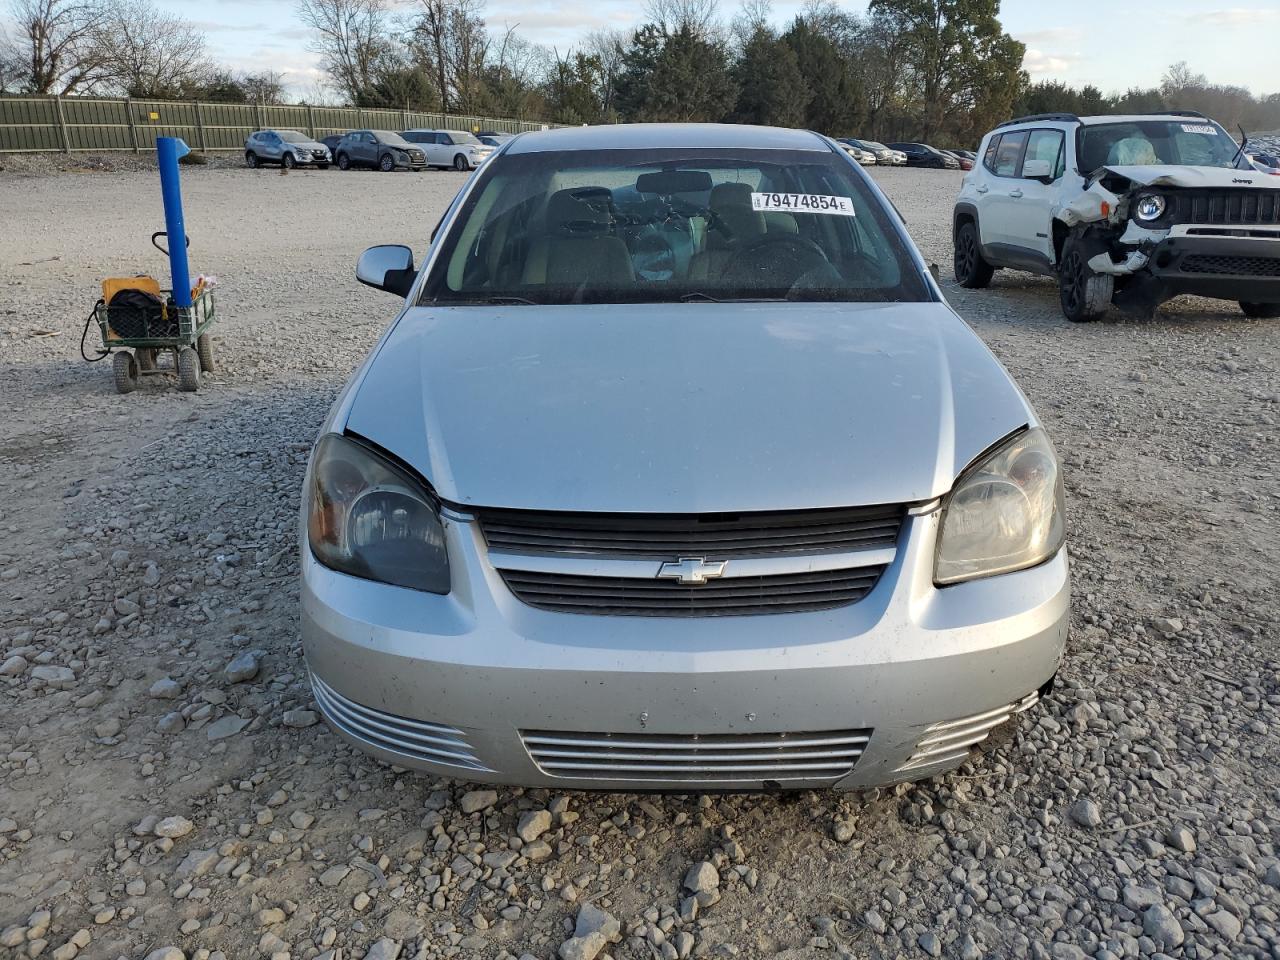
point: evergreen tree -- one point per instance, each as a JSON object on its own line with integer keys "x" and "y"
{"x": 771, "y": 88}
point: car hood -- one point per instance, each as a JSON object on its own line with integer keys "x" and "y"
{"x": 1160, "y": 175}
{"x": 691, "y": 408}
{"x": 309, "y": 145}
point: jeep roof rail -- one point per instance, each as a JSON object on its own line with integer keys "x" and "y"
{"x": 1061, "y": 117}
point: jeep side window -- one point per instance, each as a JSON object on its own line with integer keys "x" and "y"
{"x": 1009, "y": 154}
{"x": 1047, "y": 145}
{"x": 989, "y": 158}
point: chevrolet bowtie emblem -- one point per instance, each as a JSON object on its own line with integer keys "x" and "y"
{"x": 691, "y": 570}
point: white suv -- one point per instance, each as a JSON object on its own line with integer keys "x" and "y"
{"x": 1130, "y": 210}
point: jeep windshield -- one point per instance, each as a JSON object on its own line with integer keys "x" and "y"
{"x": 1185, "y": 142}
{"x": 663, "y": 226}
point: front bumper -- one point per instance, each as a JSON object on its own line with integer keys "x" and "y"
{"x": 1200, "y": 262}
{"x": 473, "y": 684}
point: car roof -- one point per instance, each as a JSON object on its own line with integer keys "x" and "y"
{"x": 658, "y": 136}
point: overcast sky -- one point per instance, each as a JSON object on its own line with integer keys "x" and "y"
{"x": 1111, "y": 45}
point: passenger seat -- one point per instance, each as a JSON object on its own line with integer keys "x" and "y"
{"x": 577, "y": 247}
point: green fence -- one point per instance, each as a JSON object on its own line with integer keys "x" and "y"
{"x": 65, "y": 124}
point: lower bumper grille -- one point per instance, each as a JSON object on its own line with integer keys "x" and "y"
{"x": 676, "y": 758}
{"x": 1231, "y": 266}
{"x": 731, "y": 596}
{"x": 952, "y": 740}
{"x": 431, "y": 742}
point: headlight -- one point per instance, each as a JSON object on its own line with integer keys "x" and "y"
{"x": 1005, "y": 513}
{"x": 1150, "y": 206}
{"x": 371, "y": 519}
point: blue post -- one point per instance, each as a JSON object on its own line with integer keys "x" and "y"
{"x": 168, "y": 150}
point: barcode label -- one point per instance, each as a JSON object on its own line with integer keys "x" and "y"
{"x": 802, "y": 203}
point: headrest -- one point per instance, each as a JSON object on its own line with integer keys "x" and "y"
{"x": 725, "y": 195}
{"x": 579, "y": 209}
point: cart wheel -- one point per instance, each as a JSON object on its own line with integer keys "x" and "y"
{"x": 188, "y": 370}
{"x": 146, "y": 357}
{"x": 204, "y": 348}
{"x": 125, "y": 369}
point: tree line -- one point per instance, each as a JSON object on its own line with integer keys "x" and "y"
{"x": 941, "y": 71}
{"x": 124, "y": 47}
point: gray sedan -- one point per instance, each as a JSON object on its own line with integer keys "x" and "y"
{"x": 676, "y": 471}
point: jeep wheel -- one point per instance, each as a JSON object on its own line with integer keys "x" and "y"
{"x": 1085, "y": 295}
{"x": 1260, "y": 311}
{"x": 971, "y": 270}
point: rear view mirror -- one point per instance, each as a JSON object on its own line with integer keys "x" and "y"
{"x": 666, "y": 182}
{"x": 388, "y": 267}
{"x": 1037, "y": 169}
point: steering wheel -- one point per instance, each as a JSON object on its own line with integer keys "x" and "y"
{"x": 770, "y": 253}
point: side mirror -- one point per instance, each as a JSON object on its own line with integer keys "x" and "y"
{"x": 388, "y": 267}
{"x": 1037, "y": 170}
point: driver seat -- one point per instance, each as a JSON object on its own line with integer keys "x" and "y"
{"x": 733, "y": 224}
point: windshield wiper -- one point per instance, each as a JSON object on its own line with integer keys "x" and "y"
{"x": 454, "y": 301}
{"x": 699, "y": 297}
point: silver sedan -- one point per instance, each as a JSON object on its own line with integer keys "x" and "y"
{"x": 676, "y": 471}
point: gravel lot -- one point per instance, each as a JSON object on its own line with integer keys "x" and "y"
{"x": 166, "y": 790}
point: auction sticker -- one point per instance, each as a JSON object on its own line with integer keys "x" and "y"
{"x": 1200, "y": 128}
{"x": 803, "y": 203}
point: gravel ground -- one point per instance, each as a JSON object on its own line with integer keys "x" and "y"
{"x": 167, "y": 792}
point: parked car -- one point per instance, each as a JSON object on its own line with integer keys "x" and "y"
{"x": 864, "y": 157}
{"x": 1128, "y": 210}
{"x": 845, "y": 582}
{"x": 288, "y": 148}
{"x": 332, "y": 142}
{"x": 923, "y": 155}
{"x": 379, "y": 149}
{"x": 450, "y": 148}
{"x": 1266, "y": 163}
{"x": 884, "y": 156}
{"x": 494, "y": 140}
{"x": 966, "y": 163}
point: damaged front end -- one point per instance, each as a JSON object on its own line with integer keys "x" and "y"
{"x": 1165, "y": 231}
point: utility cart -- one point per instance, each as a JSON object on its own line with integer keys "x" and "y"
{"x": 139, "y": 330}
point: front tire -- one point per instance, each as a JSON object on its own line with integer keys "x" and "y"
{"x": 251, "y": 160}
{"x": 1085, "y": 295}
{"x": 971, "y": 269}
{"x": 1260, "y": 311}
{"x": 125, "y": 369}
{"x": 289, "y": 161}
{"x": 344, "y": 162}
{"x": 387, "y": 163}
{"x": 460, "y": 164}
{"x": 188, "y": 370}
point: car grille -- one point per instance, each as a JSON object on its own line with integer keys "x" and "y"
{"x": 663, "y": 536}
{"x": 1225, "y": 206}
{"x": 673, "y": 758}
{"x": 951, "y": 741}
{"x": 730, "y": 596}
{"x": 319, "y": 154}
{"x": 432, "y": 742}
{"x": 1231, "y": 266}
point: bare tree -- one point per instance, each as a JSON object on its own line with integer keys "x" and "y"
{"x": 13, "y": 72}
{"x": 699, "y": 17}
{"x": 146, "y": 52}
{"x": 451, "y": 37}
{"x": 56, "y": 43}
{"x": 351, "y": 36}
{"x": 608, "y": 47}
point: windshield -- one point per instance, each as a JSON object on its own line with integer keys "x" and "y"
{"x": 393, "y": 139}
{"x": 293, "y": 136}
{"x": 660, "y": 226}
{"x": 461, "y": 136}
{"x": 1190, "y": 142}
{"x": 872, "y": 145}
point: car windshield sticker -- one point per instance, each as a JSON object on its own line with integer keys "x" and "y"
{"x": 1199, "y": 128}
{"x": 803, "y": 203}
